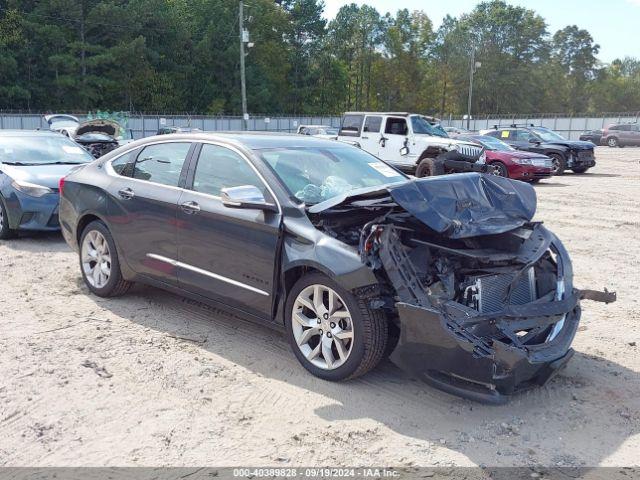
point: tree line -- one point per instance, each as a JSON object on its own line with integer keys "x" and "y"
{"x": 183, "y": 56}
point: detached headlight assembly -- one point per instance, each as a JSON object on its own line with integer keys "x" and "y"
{"x": 31, "y": 189}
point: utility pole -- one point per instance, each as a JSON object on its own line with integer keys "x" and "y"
{"x": 473, "y": 66}
{"x": 243, "y": 79}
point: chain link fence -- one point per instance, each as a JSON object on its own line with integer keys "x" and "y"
{"x": 143, "y": 125}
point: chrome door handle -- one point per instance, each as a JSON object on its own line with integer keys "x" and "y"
{"x": 190, "y": 207}
{"x": 126, "y": 193}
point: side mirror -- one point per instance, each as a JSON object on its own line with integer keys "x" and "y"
{"x": 534, "y": 140}
{"x": 246, "y": 196}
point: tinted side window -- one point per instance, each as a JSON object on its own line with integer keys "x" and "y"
{"x": 625, "y": 128}
{"x": 372, "y": 124}
{"x": 219, "y": 167}
{"x": 522, "y": 135}
{"x": 162, "y": 163}
{"x": 614, "y": 127}
{"x": 124, "y": 164}
{"x": 396, "y": 126}
{"x": 351, "y": 125}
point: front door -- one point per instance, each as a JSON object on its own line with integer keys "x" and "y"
{"x": 396, "y": 132}
{"x": 226, "y": 254}
{"x": 145, "y": 207}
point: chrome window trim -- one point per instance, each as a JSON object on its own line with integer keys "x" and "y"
{"x": 110, "y": 171}
{"x": 244, "y": 157}
{"x": 207, "y": 273}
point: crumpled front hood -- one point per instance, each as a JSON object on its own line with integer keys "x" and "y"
{"x": 467, "y": 204}
{"x": 573, "y": 144}
{"x": 44, "y": 175}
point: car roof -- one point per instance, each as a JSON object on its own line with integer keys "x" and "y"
{"x": 250, "y": 140}
{"x": 397, "y": 114}
{"x": 29, "y": 133}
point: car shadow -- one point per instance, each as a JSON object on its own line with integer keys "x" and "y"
{"x": 549, "y": 185}
{"x": 36, "y": 242}
{"x": 596, "y": 175}
{"x": 579, "y": 419}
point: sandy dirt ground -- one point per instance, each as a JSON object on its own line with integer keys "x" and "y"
{"x": 152, "y": 379}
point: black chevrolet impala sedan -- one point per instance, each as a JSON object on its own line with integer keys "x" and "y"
{"x": 447, "y": 275}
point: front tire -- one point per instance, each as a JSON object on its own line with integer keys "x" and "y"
{"x": 99, "y": 262}
{"x": 333, "y": 334}
{"x": 5, "y": 232}
{"x": 613, "y": 142}
{"x": 559, "y": 164}
{"x": 501, "y": 169}
{"x": 430, "y": 167}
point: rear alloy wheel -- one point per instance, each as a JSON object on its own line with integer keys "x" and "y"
{"x": 558, "y": 163}
{"x": 612, "y": 142}
{"x": 334, "y": 335}
{"x": 99, "y": 262}
{"x": 5, "y": 232}
{"x": 501, "y": 169}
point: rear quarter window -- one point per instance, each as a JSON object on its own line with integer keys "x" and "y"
{"x": 351, "y": 125}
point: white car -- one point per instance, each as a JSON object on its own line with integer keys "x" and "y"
{"x": 319, "y": 131}
{"x": 402, "y": 139}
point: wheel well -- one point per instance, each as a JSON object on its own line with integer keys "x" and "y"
{"x": 84, "y": 221}
{"x": 292, "y": 275}
{"x": 431, "y": 152}
{"x": 556, "y": 152}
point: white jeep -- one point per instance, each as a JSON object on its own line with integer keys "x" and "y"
{"x": 405, "y": 140}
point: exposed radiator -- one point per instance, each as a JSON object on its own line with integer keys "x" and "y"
{"x": 487, "y": 292}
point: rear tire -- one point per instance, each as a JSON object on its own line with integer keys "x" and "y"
{"x": 430, "y": 167}
{"x": 364, "y": 347}
{"x": 580, "y": 169}
{"x": 559, "y": 163}
{"x": 5, "y": 232}
{"x": 99, "y": 262}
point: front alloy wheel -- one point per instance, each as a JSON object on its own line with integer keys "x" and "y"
{"x": 334, "y": 333}
{"x": 322, "y": 327}
{"x": 5, "y": 232}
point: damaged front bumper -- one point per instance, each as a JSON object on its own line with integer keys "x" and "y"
{"x": 440, "y": 348}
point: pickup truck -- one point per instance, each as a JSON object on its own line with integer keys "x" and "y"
{"x": 407, "y": 141}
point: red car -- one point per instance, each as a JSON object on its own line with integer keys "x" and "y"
{"x": 512, "y": 163}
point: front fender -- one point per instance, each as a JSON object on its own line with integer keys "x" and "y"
{"x": 329, "y": 256}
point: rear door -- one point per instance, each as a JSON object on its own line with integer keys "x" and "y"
{"x": 634, "y": 135}
{"x": 144, "y": 208}
{"x": 226, "y": 254}
{"x": 370, "y": 138}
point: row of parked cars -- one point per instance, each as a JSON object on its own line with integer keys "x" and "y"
{"x": 418, "y": 145}
{"x": 615, "y": 135}
{"x": 352, "y": 258}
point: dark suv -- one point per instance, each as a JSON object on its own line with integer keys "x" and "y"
{"x": 621, "y": 135}
{"x": 566, "y": 154}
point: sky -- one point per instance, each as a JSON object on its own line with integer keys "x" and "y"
{"x": 614, "y": 24}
